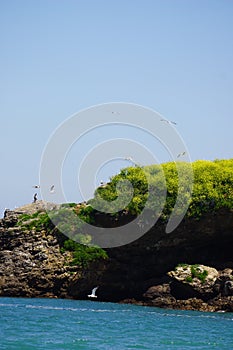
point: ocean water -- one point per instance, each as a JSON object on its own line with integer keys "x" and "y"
{"x": 69, "y": 324}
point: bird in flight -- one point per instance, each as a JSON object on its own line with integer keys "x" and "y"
{"x": 115, "y": 112}
{"x": 181, "y": 154}
{"x": 130, "y": 159}
{"x": 92, "y": 295}
{"x": 52, "y": 189}
{"x": 36, "y": 186}
{"x": 168, "y": 121}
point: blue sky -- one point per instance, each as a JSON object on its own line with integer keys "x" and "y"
{"x": 59, "y": 57}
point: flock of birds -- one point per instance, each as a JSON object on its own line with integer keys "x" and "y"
{"x": 51, "y": 190}
{"x": 181, "y": 154}
{"x": 102, "y": 184}
{"x": 170, "y": 122}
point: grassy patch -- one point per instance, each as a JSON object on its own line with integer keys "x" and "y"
{"x": 198, "y": 273}
{"x": 83, "y": 254}
{"x": 189, "y": 279}
{"x": 195, "y": 272}
{"x": 158, "y": 186}
{"x": 37, "y": 221}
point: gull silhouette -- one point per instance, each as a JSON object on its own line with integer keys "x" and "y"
{"x": 52, "y": 189}
{"x": 92, "y": 295}
{"x": 35, "y": 198}
{"x": 130, "y": 159}
{"x": 181, "y": 154}
{"x": 168, "y": 121}
{"x": 36, "y": 186}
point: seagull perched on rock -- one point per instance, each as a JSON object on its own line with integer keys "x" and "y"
{"x": 103, "y": 184}
{"x": 35, "y": 198}
{"x": 168, "y": 121}
{"x": 92, "y": 295}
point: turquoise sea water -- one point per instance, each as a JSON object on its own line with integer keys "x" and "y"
{"x": 69, "y": 324}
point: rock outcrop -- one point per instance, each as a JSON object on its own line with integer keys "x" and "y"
{"x": 210, "y": 291}
{"x": 32, "y": 264}
{"x": 194, "y": 281}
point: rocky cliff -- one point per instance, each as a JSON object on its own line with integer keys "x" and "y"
{"x": 32, "y": 264}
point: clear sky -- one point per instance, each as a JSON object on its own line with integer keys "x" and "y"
{"x": 61, "y": 56}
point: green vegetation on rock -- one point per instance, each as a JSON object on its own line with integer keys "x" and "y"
{"x": 193, "y": 271}
{"x": 37, "y": 221}
{"x": 83, "y": 254}
{"x": 213, "y": 186}
{"x": 189, "y": 279}
{"x": 134, "y": 189}
{"x": 198, "y": 273}
{"x": 62, "y": 220}
{"x": 157, "y": 187}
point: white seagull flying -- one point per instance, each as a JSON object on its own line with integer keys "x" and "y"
{"x": 130, "y": 159}
{"x": 168, "y": 121}
{"x": 52, "y": 189}
{"x": 92, "y": 295}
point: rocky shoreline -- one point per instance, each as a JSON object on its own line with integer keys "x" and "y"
{"x": 214, "y": 294}
{"x": 145, "y": 272}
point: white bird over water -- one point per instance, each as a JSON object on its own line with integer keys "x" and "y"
{"x": 36, "y": 186}
{"x": 92, "y": 295}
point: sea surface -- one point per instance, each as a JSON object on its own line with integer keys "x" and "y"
{"x": 69, "y": 324}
